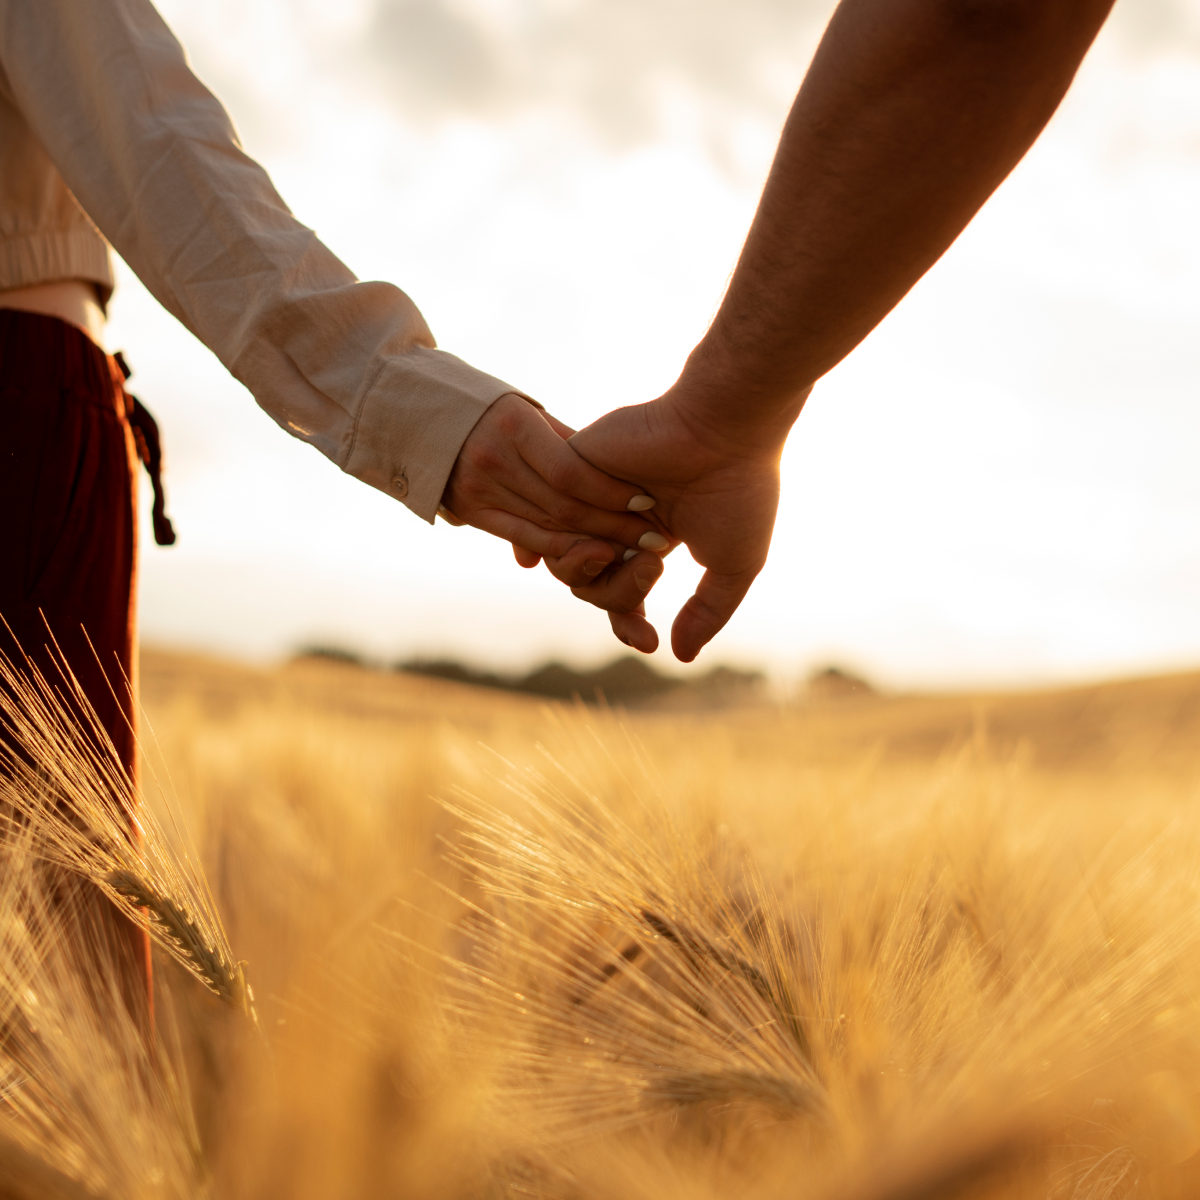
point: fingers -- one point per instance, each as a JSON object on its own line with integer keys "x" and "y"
{"x": 564, "y": 431}
{"x": 620, "y": 590}
{"x": 531, "y": 542}
{"x": 623, "y": 587}
{"x": 578, "y": 567}
{"x": 583, "y": 563}
{"x": 523, "y": 493}
{"x": 517, "y": 460}
{"x": 705, "y": 614}
{"x": 568, "y": 512}
{"x": 572, "y": 478}
{"x": 634, "y": 630}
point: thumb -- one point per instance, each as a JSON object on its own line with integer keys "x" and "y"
{"x": 563, "y": 430}
{"x": 705, "y": 614}
{"x": 634, "y": 630}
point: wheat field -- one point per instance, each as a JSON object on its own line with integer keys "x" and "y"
{"x": 877, "y": 947}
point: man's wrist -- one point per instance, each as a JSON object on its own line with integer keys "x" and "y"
{"x": 730, "y": 408}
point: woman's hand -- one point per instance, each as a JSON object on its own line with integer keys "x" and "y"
{"x": 518, "y": 478}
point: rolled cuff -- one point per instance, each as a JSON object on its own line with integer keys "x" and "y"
{"x": 413, "y": 421}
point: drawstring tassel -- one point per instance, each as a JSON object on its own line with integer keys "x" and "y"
{"x": 149, "y": 448}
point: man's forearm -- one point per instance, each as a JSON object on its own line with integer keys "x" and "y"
{"x": 911, "y": 115}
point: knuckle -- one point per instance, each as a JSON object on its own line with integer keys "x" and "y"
{"x": 616, "y": 599}
{"x": 570, "y": 512}
{"x": 560, "y": 474}
{"x": 487, "y": 458}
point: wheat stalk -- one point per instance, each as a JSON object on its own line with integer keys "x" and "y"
{"x": 89, "y": 1105}
{"x": 60, "y": 775}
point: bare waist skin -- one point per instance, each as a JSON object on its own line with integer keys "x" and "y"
{"x": 71, "y": 300}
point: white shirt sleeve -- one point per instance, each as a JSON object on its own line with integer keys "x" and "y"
{"x": 153, "y": 158}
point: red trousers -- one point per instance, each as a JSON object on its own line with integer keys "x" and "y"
{"x": 68, "y": 536}
{"x": 68, "y": 541}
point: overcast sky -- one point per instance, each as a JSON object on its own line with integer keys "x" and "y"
{"x": 999, "y": 486}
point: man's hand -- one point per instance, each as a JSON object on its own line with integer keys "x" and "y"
{"x": 911, "y": 114}
{"x": 715, "y": 493}
{"x": 518, "y": 478}
{"x": 621, "y": 591}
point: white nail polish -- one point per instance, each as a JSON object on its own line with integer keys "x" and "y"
{"x": 653, "y": 540}
{"x": 641, "y": 503}
{"x": 628, "y": 555}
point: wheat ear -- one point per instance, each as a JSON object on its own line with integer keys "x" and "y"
{"x": 60, "y": 774}
{"x": 176, "y": 926}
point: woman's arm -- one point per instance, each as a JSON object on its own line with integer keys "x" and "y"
{"x": 348, "y": 366}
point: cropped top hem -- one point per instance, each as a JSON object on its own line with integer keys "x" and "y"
{"x": 52, "y": 255}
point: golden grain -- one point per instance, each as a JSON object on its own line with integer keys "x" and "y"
{"x": 880, "y": 949}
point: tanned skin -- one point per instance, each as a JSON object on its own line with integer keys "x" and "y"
{"x": 911, "y": 115}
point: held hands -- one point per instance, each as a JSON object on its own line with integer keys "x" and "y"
{"x": 516, "y": 477}
{"x": 715, "y": 490}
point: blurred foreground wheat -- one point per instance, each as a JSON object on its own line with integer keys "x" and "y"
{"x": 871, "y": 950}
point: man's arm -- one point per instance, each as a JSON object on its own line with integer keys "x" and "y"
{"x": 911, "y": 115}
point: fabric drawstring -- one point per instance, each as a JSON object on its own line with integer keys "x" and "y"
{"x": 149, "y": 448}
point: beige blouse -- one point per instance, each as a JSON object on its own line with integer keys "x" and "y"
{"x": 105, "y": 133}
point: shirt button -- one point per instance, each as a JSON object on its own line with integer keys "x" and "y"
{"x": 400, "y": 486}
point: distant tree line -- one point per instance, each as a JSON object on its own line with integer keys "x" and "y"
{"x": 628, "y": 680}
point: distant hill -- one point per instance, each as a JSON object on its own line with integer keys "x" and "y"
{"x": 629, "y": 681}
{"x": 1148, "y": 726}
{"x": 836, "y": 683}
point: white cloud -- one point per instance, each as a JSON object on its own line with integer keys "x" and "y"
{"x": 606, "y": 60}
{"x": 1151, "y": 28}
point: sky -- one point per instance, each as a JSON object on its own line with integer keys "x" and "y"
{"x": 997, "y": 488}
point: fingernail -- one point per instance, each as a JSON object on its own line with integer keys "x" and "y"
{"x": 628, "y": 555}
{"x": 641, "y": 503}
{"x": 593, "y": 566}
{"x": 652, "y": 540}
{"x": 645, "y": 582}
